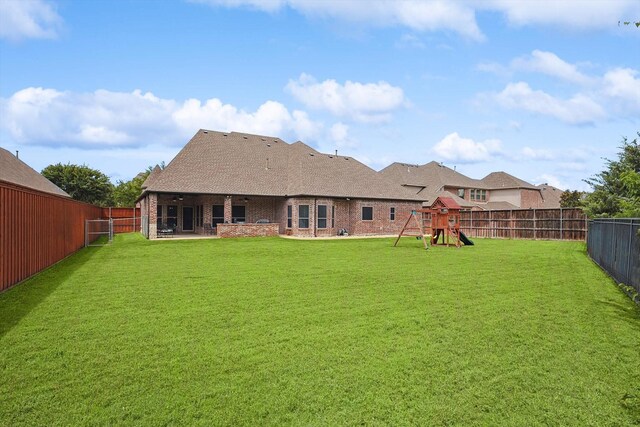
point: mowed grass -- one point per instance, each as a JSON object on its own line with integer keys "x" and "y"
{"x": 279, "y": 332}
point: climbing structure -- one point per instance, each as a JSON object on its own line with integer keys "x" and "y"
{"x": 440, "y": 223}
{"x": 445, "y": 222}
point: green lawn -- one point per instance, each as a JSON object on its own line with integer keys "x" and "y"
{"x": 274, "y": 331}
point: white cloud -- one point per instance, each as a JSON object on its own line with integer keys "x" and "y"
{"x": 579, "y": 109}
{"x": 623, "y": 84}
{"x": 537, "y": 154}
{"x": 94, "y": 120}
{"x": 23, "y": 19}
{"x": 576, "y": 14}
{"x": 339, "y": 134}
{"x": 550, "y": 64}
{"x": 455, "y": 148}
{"x": 364, "y": 102}
{"x": 426, "y": 15}
{"x": 458, "y": 17}
{"x": 549, "y": 179}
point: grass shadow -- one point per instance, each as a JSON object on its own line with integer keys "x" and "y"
{"x": 19, "y": 300}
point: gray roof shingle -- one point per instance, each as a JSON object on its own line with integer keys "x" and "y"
{"x": 16, "y": 171}
{"x": 244, "y": 164}
{"x": 499, "y": 180}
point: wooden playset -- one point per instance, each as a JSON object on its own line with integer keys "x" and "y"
{"x": 441, "y": 220}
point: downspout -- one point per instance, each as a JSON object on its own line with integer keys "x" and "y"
{"x": 315, "y": 217}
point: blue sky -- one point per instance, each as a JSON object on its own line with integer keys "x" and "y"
{"x": 543, "y": 90}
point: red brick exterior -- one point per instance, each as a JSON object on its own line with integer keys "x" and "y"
{"x": 248, "y": 230}
{"x": 531, "y": 199}
{"x": 341, "y": 214}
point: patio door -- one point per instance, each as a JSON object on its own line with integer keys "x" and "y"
{"x": 187, "y": 218}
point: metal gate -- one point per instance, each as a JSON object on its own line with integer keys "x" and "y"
{"x": 98, "y": 232}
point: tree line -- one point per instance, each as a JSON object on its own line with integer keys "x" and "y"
{"x": 616, "y": 190}
{"x": 92, "y": 186}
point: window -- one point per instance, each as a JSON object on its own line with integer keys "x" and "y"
{"x": 461, "y": 193}
{"x": 392, "y": 213}
{"x": 322, "y": 216}
{"x": 198, "y": 217}
{"x": 333, "y": 217}
{"x": 172, "y": 216}
{"x": 217, "y": 216}
{"x": 289, "y": 216}
{"x": 238, "y": 214}
{"x": 479, "y": 195}
{"x": 367, "y": 213}
{"x": 303, "y": 216}
{"x": 159, "y": 218}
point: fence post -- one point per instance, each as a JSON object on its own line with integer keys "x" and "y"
{"x": 86, "y": 233}
{"x": 534, "y": 225}
{"x": 628, "y": 275}
{"x": 561, "y": 233}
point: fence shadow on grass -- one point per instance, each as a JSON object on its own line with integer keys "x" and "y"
{"x": 18, "y": 301}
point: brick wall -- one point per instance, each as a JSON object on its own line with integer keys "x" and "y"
{"x": 248, "y": 230}
{"x": 381, "y": 222}
{"x": 531, "y": 199}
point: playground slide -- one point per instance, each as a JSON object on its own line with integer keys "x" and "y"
{"x": 464, "y": 239}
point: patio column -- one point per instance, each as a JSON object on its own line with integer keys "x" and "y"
{"x": 227, "y": 209}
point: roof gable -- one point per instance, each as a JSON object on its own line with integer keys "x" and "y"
{"x": 498, "y": 180}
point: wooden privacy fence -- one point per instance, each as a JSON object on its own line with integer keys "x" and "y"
{"x": 125, "y": 220}
{"x": 558, "y": 224}
{"x": 37, "y": 229}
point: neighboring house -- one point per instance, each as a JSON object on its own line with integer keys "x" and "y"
{"x": 15, "y": 171}
{"x": 242, "y": 184}
{"x": 498, "y": 190}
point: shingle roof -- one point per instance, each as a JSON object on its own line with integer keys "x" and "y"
{"x": 499, "y": 180}
{"x": 244, "y": 164}
{"x": 16, "y": 171}
{"x": 152, "y": 176}
{"x": 550, "y": 195}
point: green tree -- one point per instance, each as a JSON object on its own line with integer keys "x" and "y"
{"x": 81, "y": 182}
{"x": 126, "y": 193}
{"x": 616, "y": 190}
{"x": 572, "y": 199}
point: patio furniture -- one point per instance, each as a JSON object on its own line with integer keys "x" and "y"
{"x": 166, "y": 231}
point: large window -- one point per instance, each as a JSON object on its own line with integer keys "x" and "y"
{"x": 289, "y": 216}
{"x": 322, "y": 216}
{"x": 392, "y": 213}
{"x": 367, "y": 213}
{"x": 217, "y": 216}
{"x": 303, "y": 216}
{"x": 172, "y": 216}
{"x": 461, "y": 193}
{"x": 238, "y": 213}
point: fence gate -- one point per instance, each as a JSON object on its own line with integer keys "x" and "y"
{"x": 98, "y": 232}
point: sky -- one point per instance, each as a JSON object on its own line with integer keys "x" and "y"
{"x": 543, "y": 90}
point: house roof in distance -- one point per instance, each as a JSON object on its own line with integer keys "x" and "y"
{"x": 244, "y": 164}
{"x": 500, "y": 180}
{"x": 550, "y": 195}
{"x": 16, "y": 171}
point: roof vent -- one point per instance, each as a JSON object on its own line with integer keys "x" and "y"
{"x": 245, "y": 137}
{"x": 311, "y": 154}
{"x": 224, "y": 134}
{"x": 346, "y": 158}
{"x": 262, "y": 139}
{"x": 268, "y": 145}
{"x": 205, "y": 131}
{"x": 330, "y": 156}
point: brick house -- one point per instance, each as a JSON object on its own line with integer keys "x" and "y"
{"x": 498, "y": 190}
{"x": 237, "y": 184}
